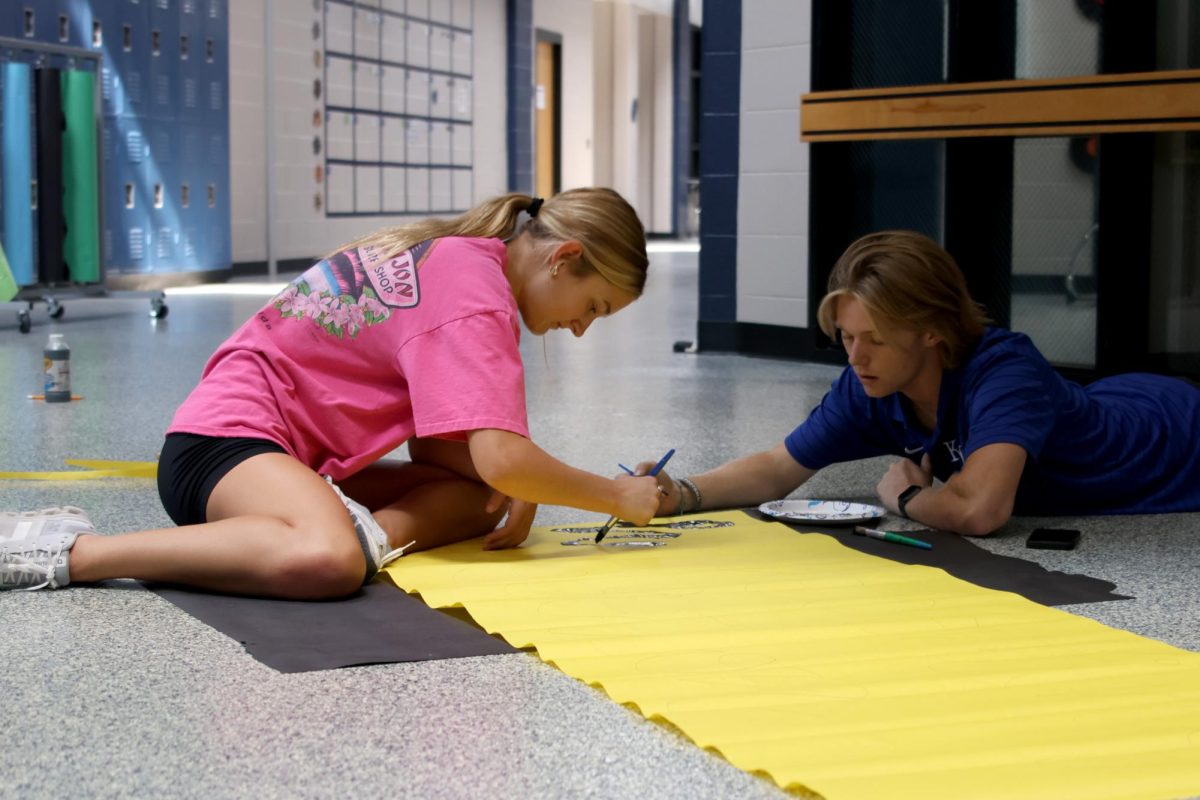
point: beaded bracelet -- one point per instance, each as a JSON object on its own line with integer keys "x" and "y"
{"x": 691, "y": 487}
{"x": 682, "y": 507}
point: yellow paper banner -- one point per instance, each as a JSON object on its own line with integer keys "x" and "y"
{"x": 839, "y": 673}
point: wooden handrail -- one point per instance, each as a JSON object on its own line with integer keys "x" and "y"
{"x": 1143, "y": 101}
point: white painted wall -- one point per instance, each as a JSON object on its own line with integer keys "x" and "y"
{"x": 247, "y": 131}
{"x": 623, "y": 133}
{"x": 663, "y": 137}
{"x": 633, "y": 54}
{"x": 491, "y": 100}
{"x": 572, "y": 19}
{"x": 643, "y": 198}
{"x": 773, "y": 199}
{"x": 1053, "y": 200}
{"x": 602, "y": 92}
{"x": 300, "y": 230}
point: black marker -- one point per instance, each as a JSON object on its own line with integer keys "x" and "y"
{"x": 662, "y": 462}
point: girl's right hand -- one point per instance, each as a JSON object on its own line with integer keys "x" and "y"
{"x": 638, "y": 498}
{"x": 669, "y": 500}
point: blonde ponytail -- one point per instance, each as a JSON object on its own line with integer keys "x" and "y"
{"x": 492, "y": 219}
{"x": 613, "y": 240}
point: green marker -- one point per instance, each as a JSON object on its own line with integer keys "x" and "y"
{"x": 888, "y": 536}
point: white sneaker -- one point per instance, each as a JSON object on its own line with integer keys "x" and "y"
{"x": 371, "y": 535}
{"x": 37, "y": 561}
{"x": 27, "y": 524}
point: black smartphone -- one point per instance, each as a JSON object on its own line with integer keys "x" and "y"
{"x": 1053, "y": 539}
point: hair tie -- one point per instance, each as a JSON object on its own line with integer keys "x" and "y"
{"x": 534, "y": 207}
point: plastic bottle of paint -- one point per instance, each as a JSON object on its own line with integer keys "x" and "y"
{"x": 57, "y": 362}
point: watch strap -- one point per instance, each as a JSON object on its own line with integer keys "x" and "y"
{"x": 905, "y": 496}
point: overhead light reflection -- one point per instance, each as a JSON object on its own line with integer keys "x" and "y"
{"x": 229, "y": 289}
{"x": 672, "y": 247}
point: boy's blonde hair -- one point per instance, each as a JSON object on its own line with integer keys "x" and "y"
{"x": 907, "y": 280}
{"x": 614, "y": 242}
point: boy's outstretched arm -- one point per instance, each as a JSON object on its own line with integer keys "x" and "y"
{"x": 747, "y": 481}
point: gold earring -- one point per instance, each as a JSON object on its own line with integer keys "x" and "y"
{"x": 554, "y": 271}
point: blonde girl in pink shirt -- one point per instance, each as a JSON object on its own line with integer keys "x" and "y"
{"x": 272, "y": 466}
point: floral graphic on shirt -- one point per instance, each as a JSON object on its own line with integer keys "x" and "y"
{"x": 355, "y": 289}
{"x": 335, "y": 295}
{"x": 342, "y": 315}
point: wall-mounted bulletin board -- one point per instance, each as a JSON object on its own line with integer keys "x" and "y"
{"x": 398, "y": 106}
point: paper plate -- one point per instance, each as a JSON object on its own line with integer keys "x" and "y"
{"x": 824, "y": 512}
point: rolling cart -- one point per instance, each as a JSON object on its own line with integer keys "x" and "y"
{"x": 52, "y": 177}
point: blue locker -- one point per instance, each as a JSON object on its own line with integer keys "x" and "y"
{"x": 215, "y": 23}
{"x": 17, "y": 21}
{"x": 125, "y": 29}
{"x": 164, "y": 58}
{"x": 162, "y": 137}
{"x": 208, "y": 179}
{"x": 66, "y": 22}
{"x": 165, "y": 105}
{"x": 128, "y": 193}
{"x": 73, "y": 23}
{"x": 192, "y": 23}
{"x": 161, "y": 172}
{"x": 10, "y": 20}
{"x": 126, "y": 232}
{"x": 195, "y": 72}
{"x": 193, "y": 172}
{"x": 111, "y": 143}
{"x": 216, "y": 68}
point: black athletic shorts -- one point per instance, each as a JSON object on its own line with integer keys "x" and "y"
{"x": 190, "y": 467}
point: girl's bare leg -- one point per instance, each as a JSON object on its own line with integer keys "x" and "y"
{"x": 439, "y": 513}
{"x": 276, "y": 529}
{"x": 436, "y": 499}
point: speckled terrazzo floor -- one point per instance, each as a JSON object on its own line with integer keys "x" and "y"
{"x": 114, "y": 692}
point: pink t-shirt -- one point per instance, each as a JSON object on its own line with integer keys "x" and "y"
{"x": 361, "y": 353}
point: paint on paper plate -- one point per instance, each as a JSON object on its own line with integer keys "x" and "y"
{"x": 824, "y": 512}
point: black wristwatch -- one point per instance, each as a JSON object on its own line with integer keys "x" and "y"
{"x": 905, "y": 496}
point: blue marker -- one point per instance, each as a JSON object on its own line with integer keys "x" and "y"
{"x": 662, "y": 462}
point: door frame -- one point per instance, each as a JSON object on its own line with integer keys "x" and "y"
{"x": 554, "y": 41}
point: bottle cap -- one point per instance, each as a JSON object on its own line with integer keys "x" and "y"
{"x": 56, "y": 338}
